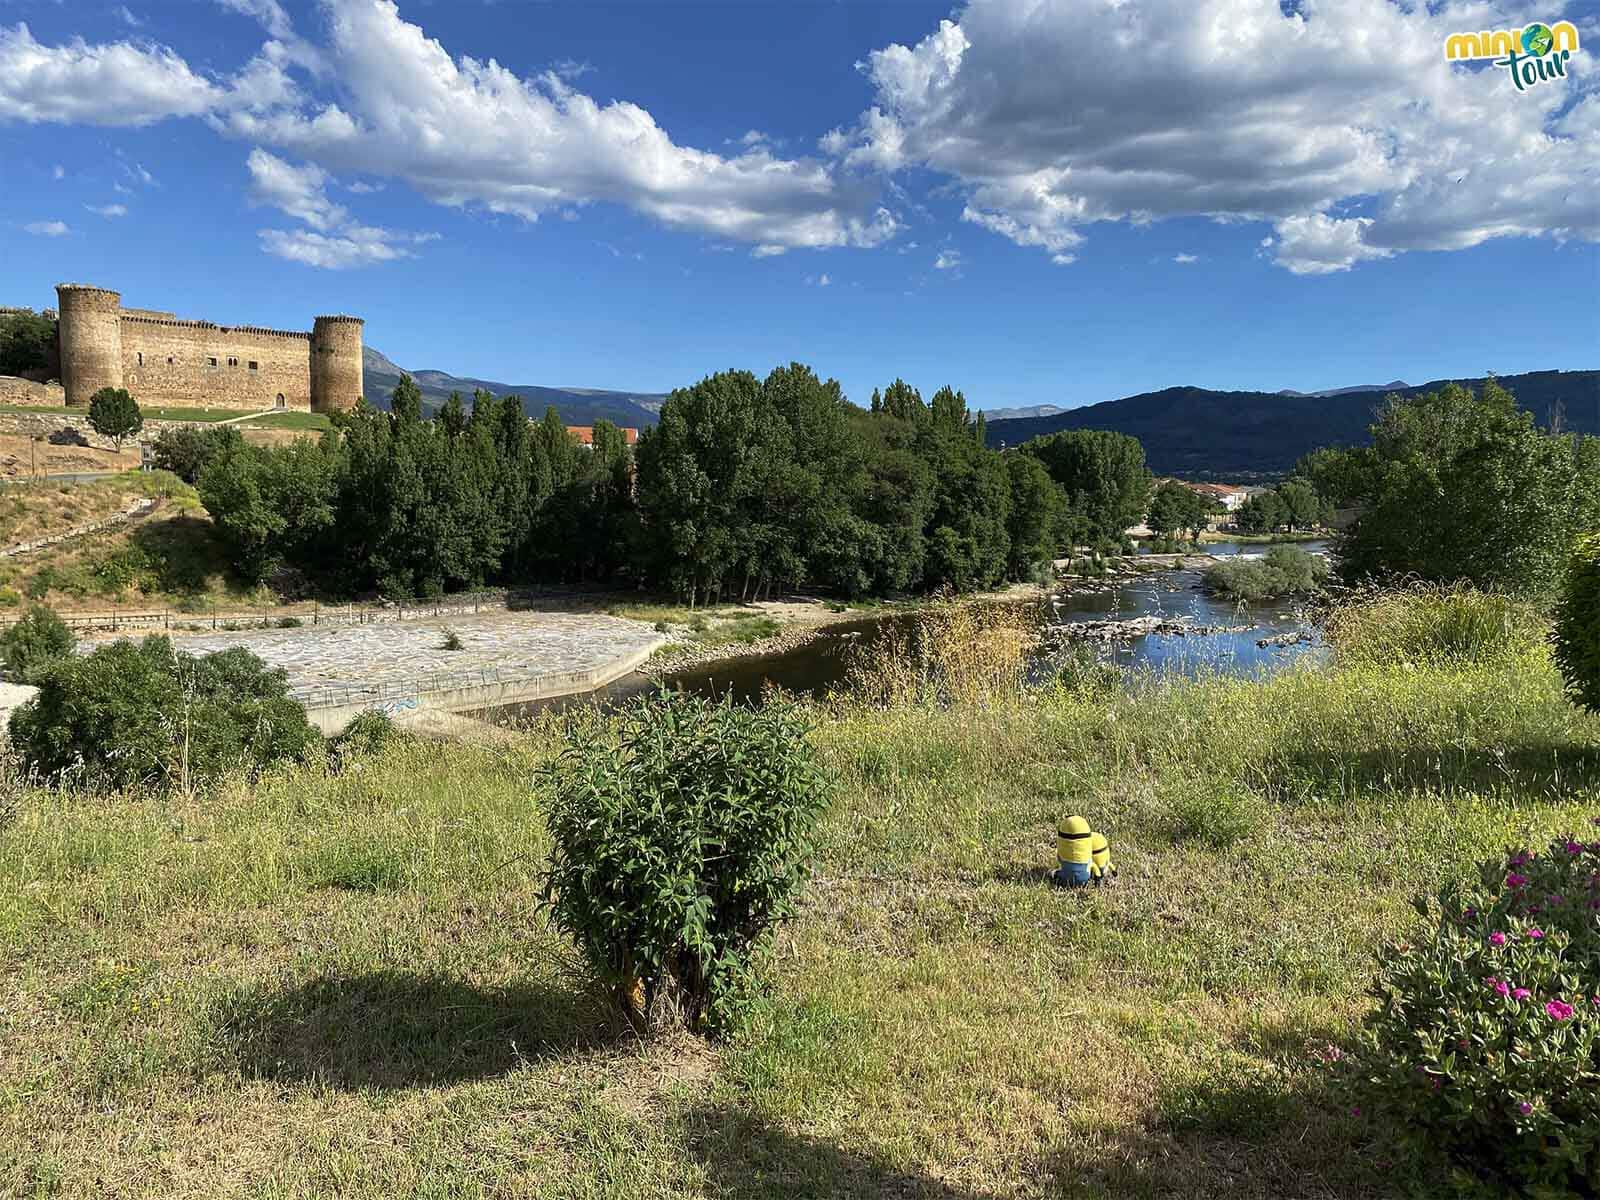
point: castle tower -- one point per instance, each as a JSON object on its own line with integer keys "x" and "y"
{"x": 336, "y": 373}
{"x": 90, "y": 336}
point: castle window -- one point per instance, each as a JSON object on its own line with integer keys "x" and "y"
{"x": 233, "y": 362}
{"x": 210, "y": 362}
{"x": 253, "y": 366}
{"x": 141, "y": 358}
{"x": 169, "y": 360}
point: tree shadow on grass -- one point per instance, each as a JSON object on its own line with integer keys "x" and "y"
{"x": 746, "y": 1158}
{"x": 1534, "y": 771}
{"x": 396, "y": 1029}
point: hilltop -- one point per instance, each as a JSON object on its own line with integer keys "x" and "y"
{"x": 1199, "y": 431}
{"x": 578, "y": 406}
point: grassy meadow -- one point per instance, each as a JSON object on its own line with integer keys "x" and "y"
{"x": 342, "y": 985}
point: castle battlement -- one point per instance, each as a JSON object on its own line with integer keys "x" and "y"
{"x": 163, "y": 359}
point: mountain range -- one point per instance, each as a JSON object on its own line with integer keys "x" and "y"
{"x": 577, "y": 406}
{"x": 1197, "y": 432}
{"x": 1191, "y": 431}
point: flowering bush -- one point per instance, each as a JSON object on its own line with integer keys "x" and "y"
{"x": 1487, "y": 1029}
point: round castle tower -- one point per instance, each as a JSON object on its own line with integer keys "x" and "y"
{"x": 90, "y": 335}
{"x": 336, "y": 373}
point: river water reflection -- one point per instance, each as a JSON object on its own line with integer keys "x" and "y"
{"x": 824, "y": 661}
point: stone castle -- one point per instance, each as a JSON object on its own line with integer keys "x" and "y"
{"x": 162, "y": 360}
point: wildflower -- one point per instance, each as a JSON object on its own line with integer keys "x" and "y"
{"x": 1556, "y": 899}
{"x": 1558, "y": 1010}
{"x": 1355, "y": 1111}
{"x": 1518, "y": 859}
{"x": 1535, "y": 934}
{"x": 1514, "y": 881}
{"x": 1524, "y": 1108}
{"x": 1574, "y": 848}
{"x": 1521, "y": 994}
{"x": 1497, "y": 938}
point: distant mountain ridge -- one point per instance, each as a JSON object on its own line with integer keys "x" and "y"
{"x": 577, "y": 406}
{"x": 1394, "y": 385}
{"x": 1199, "y": 432}
{"x": 1015, "y": 414}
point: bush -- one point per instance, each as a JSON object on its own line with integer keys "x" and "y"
{"x": 1429, "y": 625}
{"x": 1577, "y": 632}
{"x": 1284, "y": 571}
{"x": 682, "y": 836}
{"x": 1487, "y": 1031}
{"x": 367, "y": 734}
{"x": 34, "y": 642}
{"x": 145, "y": 715}
{"x": 186, "y": 450}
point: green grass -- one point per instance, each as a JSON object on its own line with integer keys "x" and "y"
{"x": 289, "y": 420}
{"x": 344, "y": 986}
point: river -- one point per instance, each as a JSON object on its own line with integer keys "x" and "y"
{"x": 1232, "y": 645}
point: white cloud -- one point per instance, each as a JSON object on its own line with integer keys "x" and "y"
{"x": 131, "y": 21}
{"x": 59, "y": 172}
{"x": 299, "y": 191}
{"x": 467, "y": 132}
{"x": 947, "y": 260}
{"x": 1320, "y": 245}
{"x": 47, "y": 228}
{"x": 108, "y": 210}
{"x": 334, "y": 239}
{"x": 361, "y": 248}
{"x": 1185, "y": 259}
{"x": 821, "y": 281}
{"x": 1236, "y": 110}
{"x": 381, "y": 99}
{"x": 118, "y": 83}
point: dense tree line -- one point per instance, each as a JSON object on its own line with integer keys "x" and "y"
{"x": 1293, "y": 505}
{"x": 745, "y": 485}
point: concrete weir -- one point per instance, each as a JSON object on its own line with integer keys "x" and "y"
{"x": 474, "y": 662}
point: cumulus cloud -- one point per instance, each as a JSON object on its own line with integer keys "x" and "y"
{"x": 334, "y": 239}
{"x": 355, "y": 246}
{"x": 1185, "y": 259}
{"x": 1052, "y": 115}
{"x": 464, "y": 131}
{"x": 47, "y": 228}
{"x": 108, "y": 210}
{"x": 118, "y": 83}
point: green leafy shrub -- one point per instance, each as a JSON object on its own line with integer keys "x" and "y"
{"x": 1577, "y": 632}
{"x": 186, "y": 450}
{"x": 133, "y": 715}
{"x": 35, "y": 641}
{"x": 1284, "y": 571}
{"x": 113, "y": 413}
{"x": 682, "y": 835}
{"x": 367, "y": 734}
{"x": 1487, "y": 1030}
{"x": 1430, "y": 625}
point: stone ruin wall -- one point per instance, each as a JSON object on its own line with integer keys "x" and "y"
{"x": 199, "y": 365}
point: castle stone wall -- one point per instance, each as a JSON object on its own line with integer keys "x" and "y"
{"x": 196, "y": 364}
{"x": 14, "y": 390}
{"x": 199, "y": 365}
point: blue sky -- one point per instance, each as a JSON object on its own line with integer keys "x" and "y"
{"x": 1051, "y": 201}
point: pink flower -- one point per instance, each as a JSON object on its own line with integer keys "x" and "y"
{"x": 1574, "y": 847}
{"x": 1524, "y": 1108}
{"x": 1535, "y": 934}
{"x": 1514, "y": 881}
{"x": 1356, "y": 1111}
{"x": 1556, "y": 898}
{"x": 1559, "y": 1010}
{"x": 1521, "y": 994}
{"x": 1497, "y": 938}
{"x": 1501, "y": 986}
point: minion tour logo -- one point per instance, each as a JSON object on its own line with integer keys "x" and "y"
{"x": 1532, "y": 55}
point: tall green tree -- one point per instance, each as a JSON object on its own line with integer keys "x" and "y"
{"x": 27, "y": 342}
{"x": 1104, "y": 476}
{"x": 1465, "y": 487}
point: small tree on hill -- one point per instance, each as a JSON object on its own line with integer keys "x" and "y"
{"x": 38, "y": 639}
{"x": 113, "y": 413}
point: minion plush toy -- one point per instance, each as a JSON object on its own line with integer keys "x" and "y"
{"x": 1074, "y": 853}
{"x": 1101, "y": 869}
